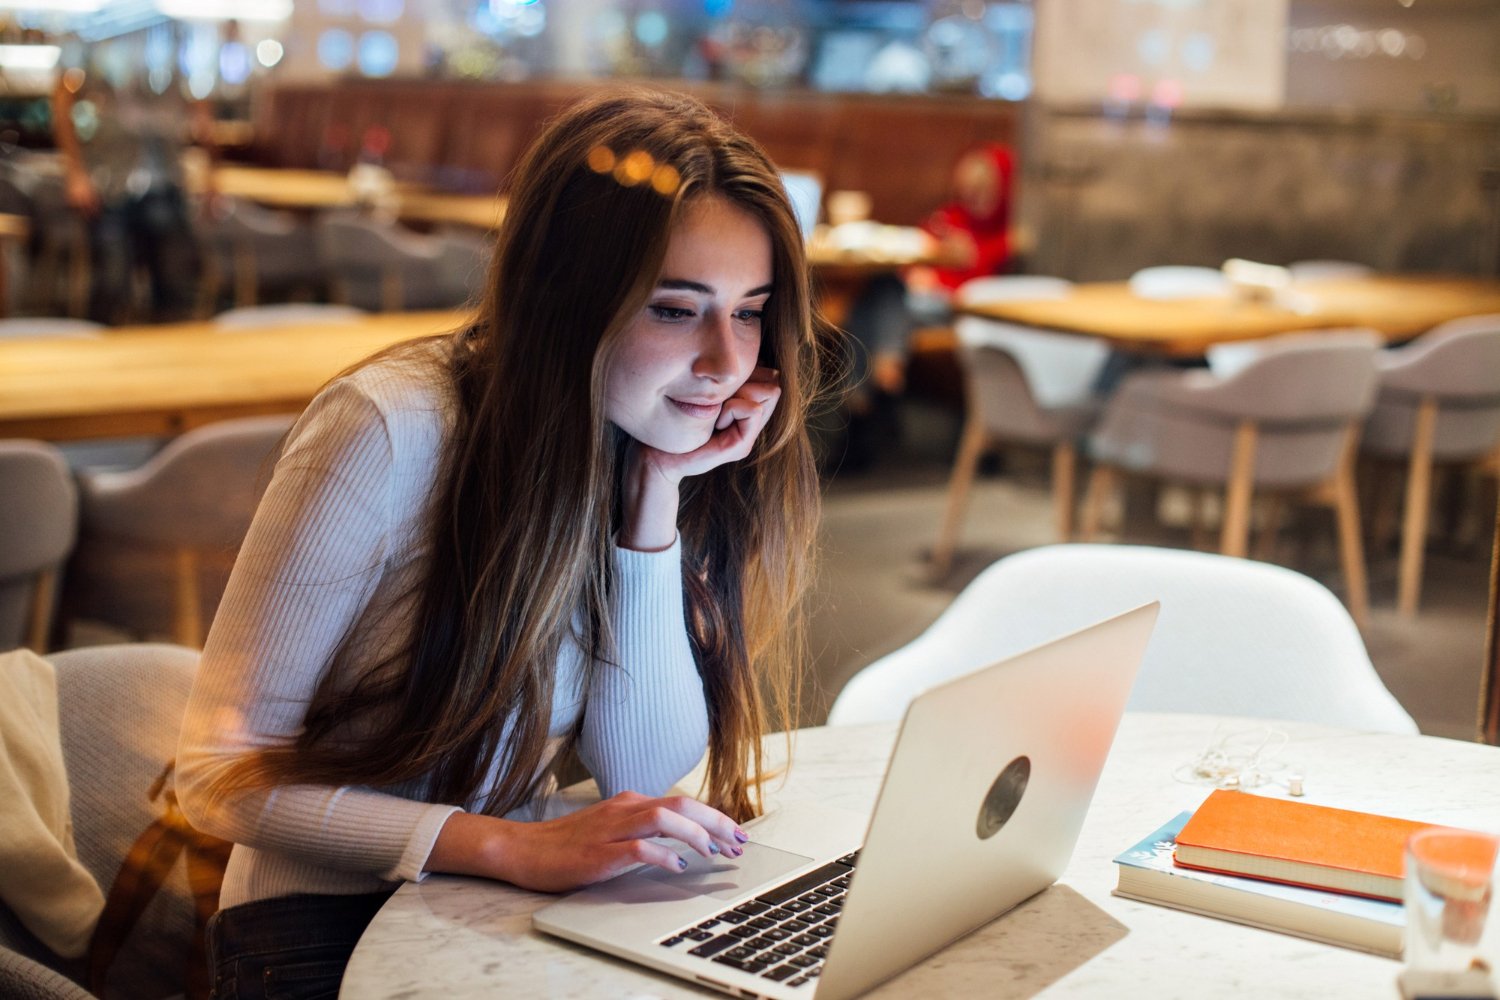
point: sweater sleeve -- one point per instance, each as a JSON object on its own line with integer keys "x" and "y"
{"x": 305, "y": 574}
{"x": 645, "y": 724}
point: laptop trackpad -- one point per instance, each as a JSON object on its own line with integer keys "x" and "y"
{"x": 727, "y": 878}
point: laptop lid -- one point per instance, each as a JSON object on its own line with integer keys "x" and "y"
{"x": 988, "y": 787}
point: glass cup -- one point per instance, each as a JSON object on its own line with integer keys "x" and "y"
{"x": 1449, "y": 889}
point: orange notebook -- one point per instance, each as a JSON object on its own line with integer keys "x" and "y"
{"x": 1297, "y": 842}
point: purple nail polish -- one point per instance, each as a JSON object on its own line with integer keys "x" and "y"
{"x": 736, "y": 851}
{"x": 741, "y": 836}
{"x": 713, "y": 848}
{"x": 681, "y": 862}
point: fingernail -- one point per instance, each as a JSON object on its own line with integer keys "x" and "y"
{"x": 741, "y": 836}
{"x": 736, "y": 851}
{"x": 713, "y": 848}
{"x": 681, "y": 862}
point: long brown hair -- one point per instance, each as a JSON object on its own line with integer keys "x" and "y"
{"x": 521, "y": 543}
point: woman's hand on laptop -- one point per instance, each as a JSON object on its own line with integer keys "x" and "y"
{"x": 591, "y": 845}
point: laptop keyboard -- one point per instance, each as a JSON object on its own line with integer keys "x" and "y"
{"x": 782, "y": 934}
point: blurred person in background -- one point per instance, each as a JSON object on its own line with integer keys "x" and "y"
{"x": 974, "y": 240}
{"x": 121, "y": 147}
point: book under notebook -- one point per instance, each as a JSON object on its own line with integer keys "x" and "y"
{"x": 1147, "y": 873}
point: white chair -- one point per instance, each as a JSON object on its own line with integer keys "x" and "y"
{"x": 285, "y": 314}
{"x": 1287, "y": 424}
{"x": 1176, "y": 281}
{"x": 1023, "y": 386}
{"x": 1327, "y": 270}
{"x": 37, "y": 532}
{"x": 156, "y": 543}
{"x": 119, "y": 711}
{"x": 1234, "y": 637}
{"x": 1439, "y": 401}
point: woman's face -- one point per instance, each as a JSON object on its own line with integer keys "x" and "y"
{"x": 697, "y": 340}
{"x": 976, "y": 184}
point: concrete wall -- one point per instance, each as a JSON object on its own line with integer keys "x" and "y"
{"x": 1104, "y": 197}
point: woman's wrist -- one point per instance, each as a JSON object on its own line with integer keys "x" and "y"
{"x": 472, "y": 844}
{"x": 649, "y": 518}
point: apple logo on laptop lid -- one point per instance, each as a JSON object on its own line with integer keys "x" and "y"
{"x": 1004, "y": 795}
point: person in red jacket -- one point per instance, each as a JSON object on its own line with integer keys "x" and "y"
{"x": 973, "y": 234}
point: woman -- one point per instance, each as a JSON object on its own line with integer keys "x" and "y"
{"x": 582, "y": 524}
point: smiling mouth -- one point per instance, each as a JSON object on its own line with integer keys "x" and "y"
{"x": 702, "y": 411}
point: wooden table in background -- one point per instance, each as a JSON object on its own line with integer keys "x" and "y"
{"x": 1399, "y": 306}
{"x": 167, "y": 379}
{"x": 319, "y": 190}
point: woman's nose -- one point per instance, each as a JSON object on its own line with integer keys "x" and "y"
{"x": 716, "y": 356}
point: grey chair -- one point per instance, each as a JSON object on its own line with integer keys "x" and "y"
{"x": 381, "y": 266}
{"x": 156, "y": 543}
{"x": 1439, "y": 402}
{"x": 255, "y": 250}
{"x": 1024, "y": 386}
{"x": 1285, "y": 424}
{"x": 119, "y": 711}
{"x": 38, "y": 531}
{"x": 285, "y": 314}
{"x": 1234, "y": 637}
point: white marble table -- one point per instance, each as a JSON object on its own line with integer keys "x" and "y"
{"x": 460, "y": 937}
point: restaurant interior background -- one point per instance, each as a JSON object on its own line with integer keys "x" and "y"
{"x": 1148, "y": 132}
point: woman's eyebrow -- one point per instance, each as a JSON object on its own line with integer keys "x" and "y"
{"x": 686, "y": 285}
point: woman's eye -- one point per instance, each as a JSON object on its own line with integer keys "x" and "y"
{"x": 670, "y": 314}
{"x": 750, "y": 315}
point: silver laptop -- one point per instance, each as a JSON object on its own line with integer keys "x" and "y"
{"x": 981, "y": 806}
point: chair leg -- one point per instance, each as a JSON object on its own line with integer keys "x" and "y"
{"x": 188, "y": 629}
{"x": 1418, "y": 501}
{"x": 1265, "y": 547}
{"x": 970, "y": 447}
{"x": 1064, "y": 477}
{"x": 244, "y": 275}
{"x": 1234, "y": 536}
{"x": 1102, "y": 483}
{"x": 391, "y": 293}
{"x": 1351, "y": 550}
{"x": 44, "y": 596}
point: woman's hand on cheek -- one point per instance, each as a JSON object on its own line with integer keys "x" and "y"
{"x": 651, "y": 476}
{"x": 742, "y": 418}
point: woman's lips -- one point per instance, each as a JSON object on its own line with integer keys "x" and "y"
{"x": 702, "y": 411}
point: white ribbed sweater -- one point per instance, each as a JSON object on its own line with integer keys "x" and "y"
{"x": 326, "y": 569}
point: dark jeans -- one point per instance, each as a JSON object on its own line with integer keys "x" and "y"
{"x": 152, "y": 231}
{"x": 291, "y": 948}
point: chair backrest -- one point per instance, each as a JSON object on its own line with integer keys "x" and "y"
{"x": 1234, "y": 637}
{"x": 1175, "y": 281}
{"x": 1060, "y": 369}
{"x": 1327, "y": 270}
{"x": 1011, "y": 288}
{"x": 1323, "y": 376}
{"x": 198, "y": 492}
{"x": 1457, "y": 361}
{"x": 49, "y": 326}
{"x": 37, "y": 531}
{"x": 120, "y": 711}
{"x": 285, "y": 314}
